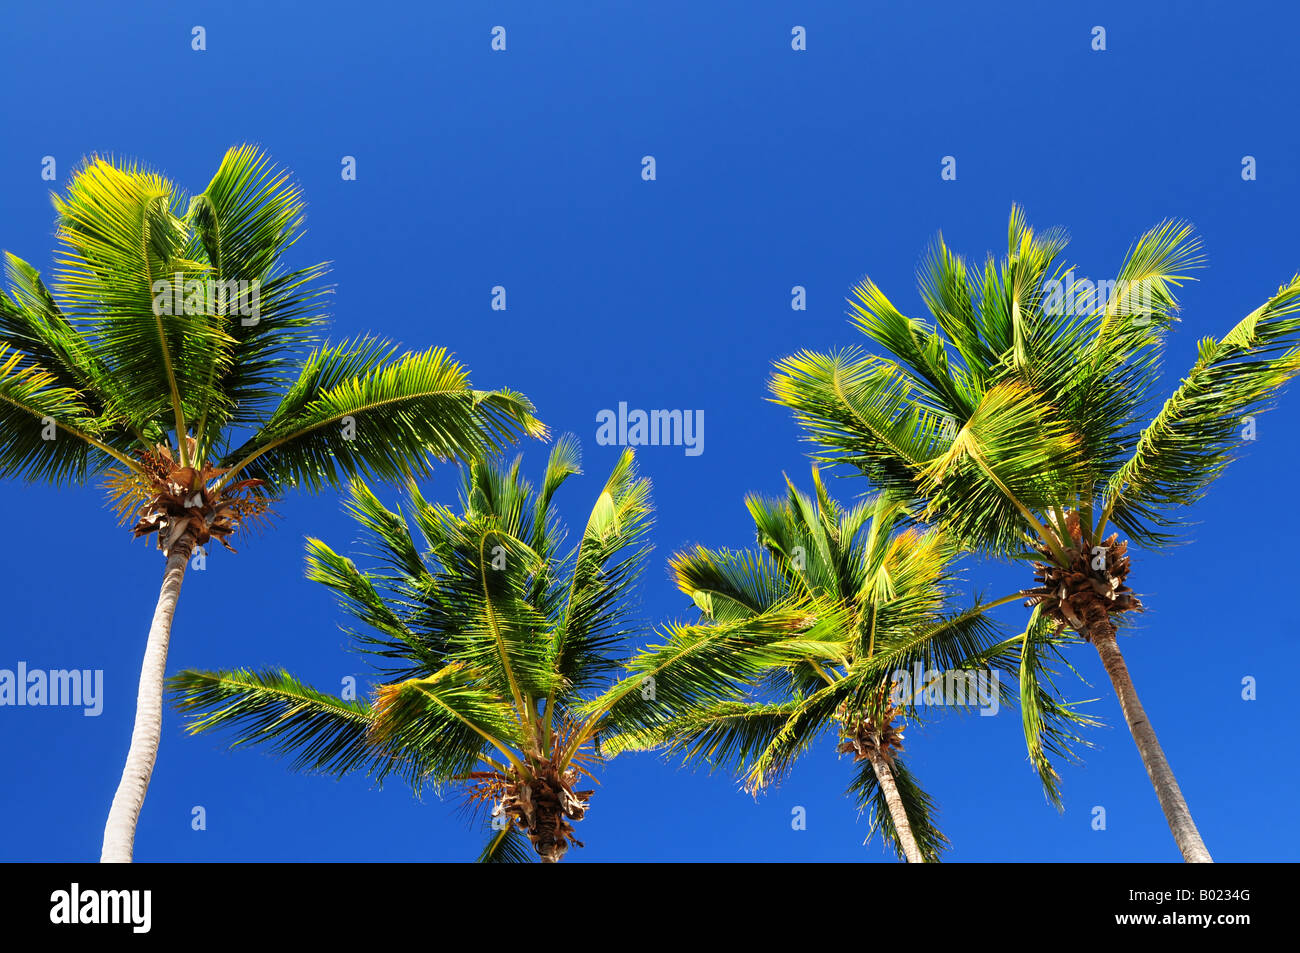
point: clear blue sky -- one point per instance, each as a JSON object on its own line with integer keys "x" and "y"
{"x": 775, "y": 168}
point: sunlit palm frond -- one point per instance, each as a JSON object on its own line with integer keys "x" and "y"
{"x": 356, "y": 411}
{"x": 320, "y": 732}
{"x": 1203, "y": 424}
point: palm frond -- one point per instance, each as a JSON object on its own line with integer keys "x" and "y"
{"x": 46, "y": 432}
{"x": 1197, "y": 432}
{"x": 450, "y": 718}
{"x": 356, "y": 412}
{"x": 123, "y": 267}
{"x": 321, "y": 732}
{"x": 597, "y": 619}
{"x": 1028, "y": 664}
{"x": 727, "y": 585}
{"x": 507, "y": 846}
{"x": 243, "y": 224}
{"x": 699, "y": 665}
{"x": 726, "y": 735}
{"x": 811, "y": 717}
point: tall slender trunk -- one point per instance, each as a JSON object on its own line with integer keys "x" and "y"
{"x": 119, "y": 832}
{"x": 902, "y": 826}
{"x": 1162, "y": 776}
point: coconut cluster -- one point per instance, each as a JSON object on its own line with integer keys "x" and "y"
{"x": 543, "y": 807}
{"x": 1089, "y": 590}
{"x": 181, "y": 498}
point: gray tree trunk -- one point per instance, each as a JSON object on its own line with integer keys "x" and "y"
{"x": 119, "y": 832}
{"x": 902, "y": 826}
{"x": 1153, "y": 756}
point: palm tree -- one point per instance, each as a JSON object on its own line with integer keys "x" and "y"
{"x": 890, "y": 633}
{"x": 496, "y": 637}
{"x": 176, "y": 357}
{"x": 1026, "y": 427}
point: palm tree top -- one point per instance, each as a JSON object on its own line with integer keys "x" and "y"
{"x": 807, "y": 632}
{"x": 490, "y": 634}
{"x": 177, "y": 352}
{"x": 1022, "y": 398}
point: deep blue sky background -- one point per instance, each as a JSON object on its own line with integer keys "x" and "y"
{"x": 775, "y": 168}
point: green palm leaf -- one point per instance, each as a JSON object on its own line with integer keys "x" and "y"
{"x": 1196, "y": 434}
{"x": 321, "y": 732}
{"x": 507, "y": 846}
{"x": 354, "y": 412}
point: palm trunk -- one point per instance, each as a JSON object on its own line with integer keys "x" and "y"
{"x": 119, "y": 832}
{"x": 1162, "y": 776}
{"x": 902, "y": 826}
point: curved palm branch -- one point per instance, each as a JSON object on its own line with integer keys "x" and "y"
{"x": 323, "y": 733}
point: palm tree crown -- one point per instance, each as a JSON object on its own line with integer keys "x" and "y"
{"x": 1012, "y": 409}
{"x": 881, "y": 590}
{"x": 176, "y": 342}
{"x": 494, "y": 636}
